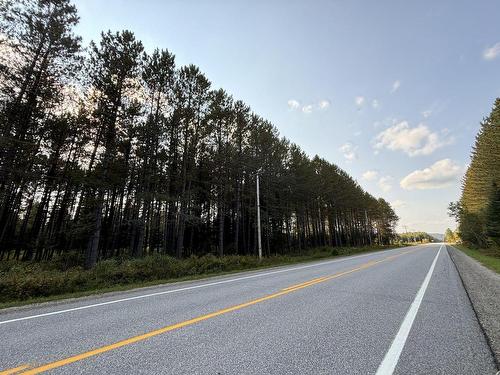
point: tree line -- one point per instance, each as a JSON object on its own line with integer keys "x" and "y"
{"x": 478, "y": 210}
{"x": 112, "y": 151}
{"x": 415, "y": 237}
{"x": 451, "y": 236}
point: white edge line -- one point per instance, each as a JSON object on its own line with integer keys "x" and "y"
{"x": 391, "y": 358}
{"x": 187, "y": 288}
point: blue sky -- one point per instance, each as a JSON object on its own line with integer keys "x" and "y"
{"x": 391, "y": 91}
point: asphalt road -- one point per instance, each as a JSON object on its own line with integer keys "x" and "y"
{"x": 401, "y": 311}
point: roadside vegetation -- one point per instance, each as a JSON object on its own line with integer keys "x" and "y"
{"x": 451, "y": 236}
{"x": 478, "y": 210}
{"x": 487, "y": 257}
{"x": 415, "y": 237}
{"x": 110, "y": 152}
{"x": 64, "y": 276}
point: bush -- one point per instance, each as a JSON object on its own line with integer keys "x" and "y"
{"x": 26, "y": 280}
{"x": 67, "y": 261}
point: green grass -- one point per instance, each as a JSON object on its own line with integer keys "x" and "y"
{"x": 487, "y": 257}
{"x": 24, "y": 283}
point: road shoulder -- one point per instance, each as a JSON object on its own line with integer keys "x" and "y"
{"x": 483, "y": 288}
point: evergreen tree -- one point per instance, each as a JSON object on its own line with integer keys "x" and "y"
{"x": 493, "y": 215}
{"x": 113, "y": 70}
{"x": 473, "y": 210}
{"x": 39, "y": 61}
{"x": 134, "y": 156}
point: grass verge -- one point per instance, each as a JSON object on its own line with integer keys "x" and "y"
{"x": 23, "y": 283}
{"x": 489, "y": 258}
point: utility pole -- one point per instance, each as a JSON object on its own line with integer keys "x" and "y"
{"x": 369, "y": 227}
{"x": 406, "y": 231}
{"x": 259, "y": 242}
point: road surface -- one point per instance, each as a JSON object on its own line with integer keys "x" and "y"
{"x": 401, "y": 311}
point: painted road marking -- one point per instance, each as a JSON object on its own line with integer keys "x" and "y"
{"x": 185, "y": 288}
{"x": 145, "y": 336}
{"x": 304, "y": 283}
{"x": 392, "y": 356}
{"x": 15, "y": 370}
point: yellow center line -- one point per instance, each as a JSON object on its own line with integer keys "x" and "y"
{"x": 303, "y": 284}
{"x": 15, "y": 370}
{"x": 145, "y": 336}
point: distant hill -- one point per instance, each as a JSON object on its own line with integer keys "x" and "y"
{"x": 437, "y": 236}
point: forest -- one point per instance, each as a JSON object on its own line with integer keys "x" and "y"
{"x": 109, "y": 151}
{"x": 478, "y": 210}
{"x": 413, "y": 237}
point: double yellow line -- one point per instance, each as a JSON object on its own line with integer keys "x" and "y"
{"x": 66, "y": 361}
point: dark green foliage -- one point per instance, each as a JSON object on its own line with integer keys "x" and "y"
{"x": 125, "y": 155}
{"x": 410, "y": 237}
{"x": 39, "y": 57}
{"x": 478, "y": 209}
{"x": 493, "y": 215}
{"x": 25, "y": 280}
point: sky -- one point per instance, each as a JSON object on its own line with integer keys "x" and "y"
{"x": 393, "y": 92}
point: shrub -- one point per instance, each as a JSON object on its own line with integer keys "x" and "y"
{"x": 25, "y": 280}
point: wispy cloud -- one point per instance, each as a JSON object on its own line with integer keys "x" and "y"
{"x": 375, "y": 104}
{"x": 427, "y": 113}
{"x": 492, "y": 52}
{"x": 307, "y": 108}
{"x": 419, "y": 140}
{"x": 439, "y": 175}
{"x": 370, "y": 175}
{"x": 324, "y": 104}
{"x": 385, "y": 183}
{"x": 360, "y": 101}
{"x": 293, "y": 104}
{"x": 395, "y": 86}
{"x": 434, "y": 109}
{"x": 398, "y": 203}
{"x": 349, "y": 150}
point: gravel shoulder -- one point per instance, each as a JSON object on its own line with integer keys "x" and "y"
{"x": 483, "y": 288}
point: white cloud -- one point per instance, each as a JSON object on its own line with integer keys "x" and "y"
{"x": 439, "y": 175}
{"x": 435, "y": 108}
{"x": 359, "y": 100}
{"x": 395, "y": 86}
{"x": 349, "y": 151}
{"x": 307, "y": 108}
{"x": 398, "y": 203}
{"x": 293, "y": 104}
{"x": 370, "y": 175}
{"x": 375, "y": 103}
{"x": 419, "y": 140}
{"x": 358, "y": 133}
{"x": 492, "y": 52}
{"x": 427, "y": 113}
{"x": 385, "y": 183}
{"x": 324, "y": 104}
